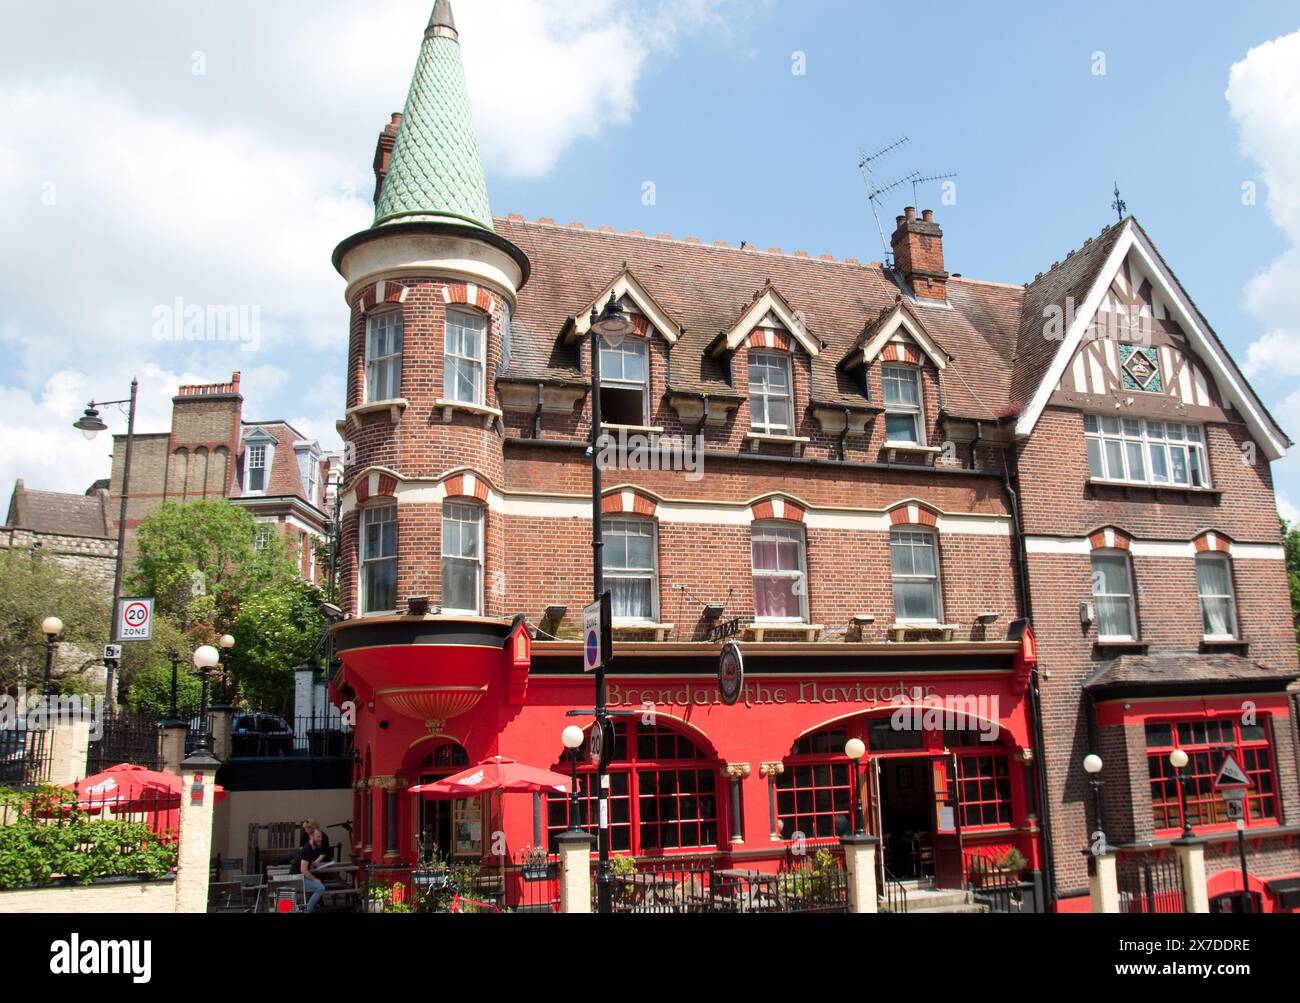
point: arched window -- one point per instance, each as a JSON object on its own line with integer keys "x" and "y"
{"x": 464, "y": 350}
{"x": 663, "y": 793}
{"x": 1218, "y": 601}
{"x": 1112, "y": 590}
{"x": 447, "y": 828}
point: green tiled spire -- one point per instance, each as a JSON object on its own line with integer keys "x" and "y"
{"x": 435, "y": 173}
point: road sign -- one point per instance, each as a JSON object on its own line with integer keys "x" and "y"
{"x": 1231, "y": 776}
{"x": 597, "y": 634}
{"x": 1234, "y": 798}
{"x": 731, "y": 674}
{"x": 135, "y": 620}
{"x": 112, "y": 652}
{"x": 595, "y": 744}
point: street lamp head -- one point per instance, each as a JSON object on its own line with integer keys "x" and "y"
{"x": 90, "y": 424}
{"x": 205, "y": 656}
{"x": 572, "y": 737}
{"x": 1178, "y": 759}
{"x": 612, "y": 324}
{"x": 52, "y": 627}
{"x": 1092, "y": 764}
{"x": 227, "y": 642}
{"x": 855, "y": 749}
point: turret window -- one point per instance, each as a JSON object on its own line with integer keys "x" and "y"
{"x": 462, "y": 559}
{"x": 463, "y": 355}
{"x": 379, "y": 559}
{"x": 384, "y": 356}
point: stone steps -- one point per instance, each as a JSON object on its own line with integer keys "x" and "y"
{"x": 923, "y": 898}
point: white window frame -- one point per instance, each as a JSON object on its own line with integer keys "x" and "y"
{"x": 262, "y": 449}
{"x": 912, "y": 374}
{"x": 931, "y": 539}
{"x": 369, "y": 515}
{"x": 454, "y": 361}
{"x": 609, "y": 528}
{"x": 1130, "y": 595}
{"x": 1230, "y": 595}
{"x": 762, "y": 393}
{"x": 263, "y": 534}
{"x": 784, "y": 531}
{"x": 386, "y": 367}
{"x": 454, "y": 511}
{"x": 631, "y": 346}
{"x": 1147, "y": 439}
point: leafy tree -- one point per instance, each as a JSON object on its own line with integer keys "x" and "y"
{"x": 276, "y": 631}
{"x": 33, "y": 586}
{"x": 1291, "y": 543}
{"x": 146, "y": 671}
{"x": 199, "y": 561}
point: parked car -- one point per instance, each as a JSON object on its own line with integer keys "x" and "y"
{"x": 257, "y": 733}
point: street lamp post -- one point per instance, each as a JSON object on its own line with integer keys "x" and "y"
{"x": 612, "y": 325}
{"x": 90, "y": 425}
{"x": 173, "y": 712}
{"x": 572, "y": 738}
{"x": 855, "y": 750}
{"x": 1178, "y": 760}
{"x": 226, "y": 644}
{"x": 1092, "y": 765}
{"x": 51, "y": 627}
{"x": 206, "y": 658}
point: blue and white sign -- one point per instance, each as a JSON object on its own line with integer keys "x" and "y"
{"x": 591, "y": 638}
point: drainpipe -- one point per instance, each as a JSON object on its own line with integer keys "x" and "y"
{"x": 537, "y": 418}
{"x": 844, "y": 437}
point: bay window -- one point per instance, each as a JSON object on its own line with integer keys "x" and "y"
{"x": 1207, "y": 742}
{"x": 384, "y": 356}
{"x": 629, "y": 556}
{"x": 780, "y": 581}
{"x": 462, "y": 558}
{"x": 463, "y": 352}
{"x": 915, "y": 566}
{"x": 1112, "y": 591}
{"x": 904, "y": 418}
{"x": 1140, "y": 451}
{"x": 769, "y": 393}
{"x": 379, "y": 559}
{"x": 1218, "y": 602}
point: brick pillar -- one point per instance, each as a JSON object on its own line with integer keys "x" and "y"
{"x": 575, "y": 871}
{"x": 222, "y": 718}
{"x": 860, "y": 863}
{"x": 1103, "y": 882}
{"x": 173, "y": 744}
{"x": 194, "y": 853}
{"x": 1191, "y": 855}
{"x": 68, "y": 744}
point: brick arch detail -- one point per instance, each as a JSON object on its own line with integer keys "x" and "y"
{"x": 625, "y": 502}
{"x": 1212, "y": 542}
{"x": 467, "y": 294}
{"x": 467, "y": 485}
{"x": 777, "y": 508}
{"x": 897, "y": 351}
{"x": 1110, "y": 538}
{"x": 382, "y": 293}
{"x": 913, "y": 514}
{"x": 766, "y": 337}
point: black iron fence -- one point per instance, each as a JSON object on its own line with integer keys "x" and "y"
{"x": 1150, "y": 884}
{"x": 24, "y": 758}
{"x": 258, "y": 734}
{"x": 1000, "y": 889}
{"x": 125, "y": 738}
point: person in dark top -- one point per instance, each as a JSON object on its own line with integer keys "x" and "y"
{"x": 307, "y": 828}
{"x": 308, "y": 857}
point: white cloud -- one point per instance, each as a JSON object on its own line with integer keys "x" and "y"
{"x": 1264, "y": 98}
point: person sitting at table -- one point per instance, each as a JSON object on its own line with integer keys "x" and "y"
{"x": 307, "y": 826}
{"x": 309, "y": 857}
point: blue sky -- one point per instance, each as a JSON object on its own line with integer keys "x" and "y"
{"x": 232, "y": 185}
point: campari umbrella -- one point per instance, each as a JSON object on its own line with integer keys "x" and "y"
{"x": 127, "y": 788}
{"x": 497, "y": 775}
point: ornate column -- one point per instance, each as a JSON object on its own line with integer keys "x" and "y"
{"x": 771, "y": 771}
{"x": 391, "y": 786}
{"x": 737, "y": 773}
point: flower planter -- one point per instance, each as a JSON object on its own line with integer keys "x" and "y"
{"x": 540, "y": 872}
{"x": 431, "y": 880}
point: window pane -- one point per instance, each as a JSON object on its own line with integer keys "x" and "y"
{"x": 901, "y": 428}
{"x": 1212, "y": 576}
{"x": 1113, "y": 617}
{"x": 1159, "y": 464}
{"x": 1178, "y": 463}
{"x": 1110, "y": 575}
{"x": 776, "y": 598}
{"x": 1114, "y": 460}
{"x": 459, "y": 584}
{"x": 631, "y": 598}
{"x": 914, "y": 600}
{"x": 380, "y": 586}
{"x": 1095, "y": 465}
{"x": 1136, "y": 468}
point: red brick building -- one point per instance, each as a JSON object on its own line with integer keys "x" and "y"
{"x": 883, "y": 473}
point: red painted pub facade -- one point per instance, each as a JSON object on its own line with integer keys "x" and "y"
{"x": 987, "y": 529}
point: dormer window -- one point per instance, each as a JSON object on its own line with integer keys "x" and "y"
{"x": 904, "y": 418}
{"x": 463, "y": 354}
{"x": 624, "y": 383}
{"x": 384, "y": 356}
{"x": 769, "y": 393}
{"x": 256, "y": 469}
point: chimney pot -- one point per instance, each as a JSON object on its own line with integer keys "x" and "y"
{"x": 910, "y": 212}
{"x": 918, "y": 254}
{"x": 928, "y": 215}
{"x": 899, "y": 220}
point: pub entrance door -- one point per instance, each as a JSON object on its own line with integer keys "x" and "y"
{"x": 912, "y": 809}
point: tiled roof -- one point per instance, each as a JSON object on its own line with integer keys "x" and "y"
{"x": 57, "y": 513}
{"x": 285, "y": 479}
{"x": 1164, "y": 670}
{"x": 706, "y": 287}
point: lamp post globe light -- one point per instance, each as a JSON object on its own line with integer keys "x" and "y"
{"x": 572, "y": 738}
{"x": 613, "y": 325}
{"x": 855, "y": 750}
{"x": 227, "y": 645}
{"x": 51, "y": 627}
{"x": 1178, "y": 760}
{"x": 1092, "y": 765}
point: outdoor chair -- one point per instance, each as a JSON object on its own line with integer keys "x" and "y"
{"x": 291, "y": 885}
{"x": 226, "y": 896}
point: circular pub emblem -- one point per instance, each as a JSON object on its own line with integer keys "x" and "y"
{"x": 731, "y": 673}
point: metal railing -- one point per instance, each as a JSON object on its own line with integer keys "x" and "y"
{"x": 125, "y": 738}
{"x": 999, "y": 889}
{"x": 895, "y": 892}
{"x": 261, "y": 735}
{"x": 24, "y": 758}
{"x": 1149, "y": 884}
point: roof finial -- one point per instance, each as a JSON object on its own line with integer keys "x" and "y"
{"x": 442, "y": 22}
{"x": 1119, "y": 205}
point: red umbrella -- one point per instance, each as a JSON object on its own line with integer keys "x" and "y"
{"x": 127, "y": 788}
{"x": 497, "y": 774}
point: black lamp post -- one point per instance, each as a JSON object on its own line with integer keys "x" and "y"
{"x": 51, "y": 627}
{"x": 90, "y": 425}
{"x": 611, "y": 325}
{"x": 1092, "y": 765}
{"x": 173, "y": 712}
{"x": 855, "y": 750}
{"x": 225, "y": 646}
{"x": 1178, "y": 760}
{"x": 206, "y": 658}
{"x": 573, "y": 739}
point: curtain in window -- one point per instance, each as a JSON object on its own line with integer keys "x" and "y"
{"x": 778, "y": 573}
{"x": 1214, "y": 582}
{"x": 1113, "y": 594}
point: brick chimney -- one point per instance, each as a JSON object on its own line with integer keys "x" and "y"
{"x": 918, "y": 254}
{"x": 384, "y": 152}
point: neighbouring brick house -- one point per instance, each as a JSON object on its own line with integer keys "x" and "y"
{"x": 1048, "y": 503}
{"x": 267, "y": 467}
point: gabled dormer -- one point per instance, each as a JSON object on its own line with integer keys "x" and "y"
{"x": 257, "y": 462}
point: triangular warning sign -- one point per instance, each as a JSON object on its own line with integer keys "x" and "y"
{"x": 1231, "y": 775}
